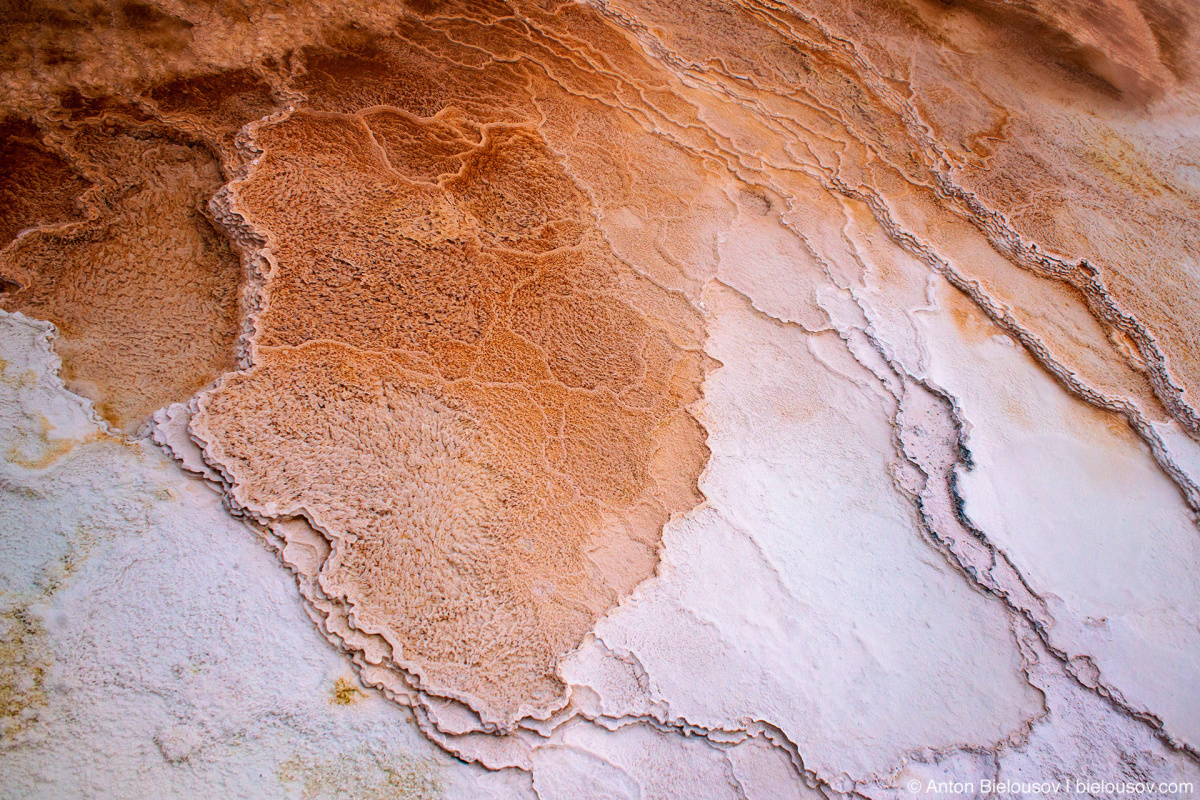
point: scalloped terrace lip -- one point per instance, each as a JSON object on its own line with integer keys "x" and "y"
{"x": 718, "y": 398}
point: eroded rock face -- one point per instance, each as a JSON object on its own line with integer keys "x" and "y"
{"x": 659, "y": 399}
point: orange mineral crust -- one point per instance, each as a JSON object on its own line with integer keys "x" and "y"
{"x": 641, "y": 392}
{"x": 458, "y": 384}
{"x": 145, "y": 291}
{"x": 37, "y": 186}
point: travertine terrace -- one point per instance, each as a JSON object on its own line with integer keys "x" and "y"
{"x": 607, "y": 399}
{"x": 458, "y": 383}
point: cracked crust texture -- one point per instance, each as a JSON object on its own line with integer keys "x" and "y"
{"x": 458, "y": 383}
{"x": 429, "y": 292}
